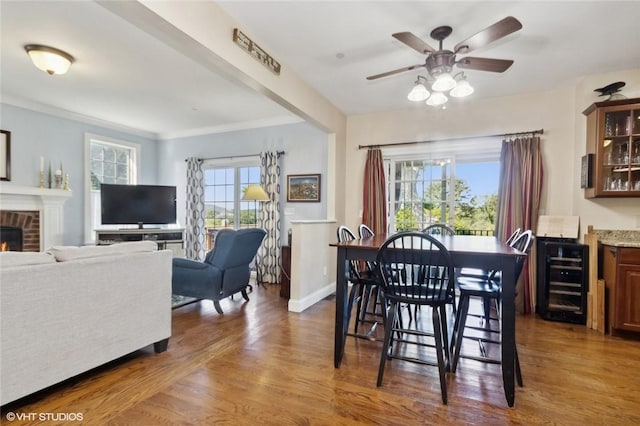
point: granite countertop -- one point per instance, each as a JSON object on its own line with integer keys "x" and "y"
{"x": 618, "y": 238}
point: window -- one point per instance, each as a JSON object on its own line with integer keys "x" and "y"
{"x": 106, "y": 161}
{"x": 224, "y": 185}
{"x": 453, "y": 182}
{"x": 419, "y": 193}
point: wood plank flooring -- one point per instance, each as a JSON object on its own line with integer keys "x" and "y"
{"x": 260, "y": 365}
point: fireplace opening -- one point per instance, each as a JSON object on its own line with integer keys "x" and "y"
{"x": 10, "y": 238}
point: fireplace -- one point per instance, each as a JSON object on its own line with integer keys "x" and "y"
{"x": 20, "y": 230}
{"x": 10, "y": 238}
{"x": 37, "y": 212}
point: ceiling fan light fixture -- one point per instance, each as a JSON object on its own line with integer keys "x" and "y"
{"x": 462, "y": 89}
{"x": 49, "y": 59}
{"x": 443, "y": 83}
{"x": 418, "y": 93}
{"x": 437, "y": 98}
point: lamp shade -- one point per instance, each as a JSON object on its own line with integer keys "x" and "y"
{"x": 254, "y": 192}
{"x": 462, "y": 89}
{"x": 418, "y": 93}
{"x": 49, "y": 59}
{"x": 437, "y": 98}
{"x": 443, "y": 82}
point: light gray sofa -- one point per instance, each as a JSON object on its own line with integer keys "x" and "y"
{"x": 71, "y": 309}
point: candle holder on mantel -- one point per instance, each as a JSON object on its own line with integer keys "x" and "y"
{"x": 58, "y": 181}
{"x": 41, "y": 178}
{"x": 66, "y": 182}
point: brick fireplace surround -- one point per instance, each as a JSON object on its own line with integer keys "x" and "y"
{"x": 37, "y": 211}
{"x": 29, "y": 222}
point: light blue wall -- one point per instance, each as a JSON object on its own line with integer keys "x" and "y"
{"x": 305, "y": 150}
{"x": 60, "y": 140}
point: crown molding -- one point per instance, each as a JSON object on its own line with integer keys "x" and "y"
{"x": 232, "y": 127}
{"x": 63, "y": 113}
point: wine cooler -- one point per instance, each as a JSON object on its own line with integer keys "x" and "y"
{"x": 562, "y": 280}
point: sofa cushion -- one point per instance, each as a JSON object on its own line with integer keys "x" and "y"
{"x": 23, "y": 258}
{"x": 68, "y": 253}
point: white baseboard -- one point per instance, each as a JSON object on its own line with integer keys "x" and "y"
{"x": 299, "y": 305}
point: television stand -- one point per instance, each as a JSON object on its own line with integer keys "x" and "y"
{"x": 167, "y": 239}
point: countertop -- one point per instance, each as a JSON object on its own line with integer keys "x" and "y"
{"x": 618, "y": 238}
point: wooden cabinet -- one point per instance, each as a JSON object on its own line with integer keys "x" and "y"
{"x": 613, "y": 149}
{"x": 621, "y": 272}
{"x": 285, "y": 273}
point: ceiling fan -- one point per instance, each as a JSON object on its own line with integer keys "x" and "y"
{"x": 440, "y": 62}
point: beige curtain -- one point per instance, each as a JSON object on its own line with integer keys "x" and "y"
{"x": 521, "y": 178}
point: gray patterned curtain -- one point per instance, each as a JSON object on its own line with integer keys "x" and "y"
{"x": 194, "y": 226}
{"x": 268, "y": 257}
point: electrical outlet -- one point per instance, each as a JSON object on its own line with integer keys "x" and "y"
{"x": 324, "y": 271}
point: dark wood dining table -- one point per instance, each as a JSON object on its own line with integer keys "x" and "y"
{"x": 466, "y": 251}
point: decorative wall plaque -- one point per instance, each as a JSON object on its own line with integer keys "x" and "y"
{"x": 256, "y": 51}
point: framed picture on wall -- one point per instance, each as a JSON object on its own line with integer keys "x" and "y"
{"x": 303, "y": 188}
{"x": 5, "y": 155}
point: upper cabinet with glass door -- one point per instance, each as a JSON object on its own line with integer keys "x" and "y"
{"x": 613, "y": 137}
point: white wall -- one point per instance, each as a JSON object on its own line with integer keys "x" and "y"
{"x": 558, "y": 112}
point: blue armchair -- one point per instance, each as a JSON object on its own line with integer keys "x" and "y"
{"x": 225, "y": 270}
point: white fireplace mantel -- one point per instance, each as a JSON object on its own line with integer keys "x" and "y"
{"x": 49, "y": 202}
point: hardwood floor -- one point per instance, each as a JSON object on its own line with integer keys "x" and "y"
{"x": 259, "y": 364}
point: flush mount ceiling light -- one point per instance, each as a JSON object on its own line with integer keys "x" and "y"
{"x": 49, "y": 59}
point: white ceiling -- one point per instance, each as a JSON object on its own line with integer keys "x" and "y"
{"x": 123, "y": 75}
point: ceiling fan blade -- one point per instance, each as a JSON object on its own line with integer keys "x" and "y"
{"x": 484, "y": 64}
{"x": 490, "y": 34}
{"x": 399, "y": 70}
{"x": 414, "y": 42}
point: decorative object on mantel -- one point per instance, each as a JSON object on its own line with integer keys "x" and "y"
{"x": 50, "y": 175}
{"x": 256, "y": 51}
{"x": 612, "y": 90}
{"x": 59, "y": 177}
{"x": 5, "y": 155}
{"x": 41, "y": 175}
{"x": 66, "y": 182}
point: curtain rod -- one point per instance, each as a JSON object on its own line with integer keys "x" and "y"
{"x": 502, "y": 135}
{"x": 279, "y": 153}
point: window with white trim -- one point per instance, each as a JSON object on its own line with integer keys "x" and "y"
{"x": 106, "y": 161}
{"x": 452, "y": 182}
{"x": 224, "y": 185}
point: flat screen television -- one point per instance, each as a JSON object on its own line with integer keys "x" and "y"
{"x": 137, "y": 204}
